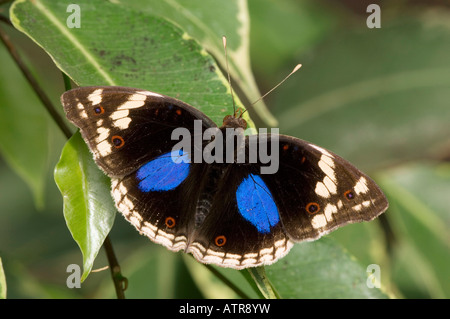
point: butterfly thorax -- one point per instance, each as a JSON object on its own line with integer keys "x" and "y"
{"x": 232, "y": 132}
{"x": 234, "y": 121}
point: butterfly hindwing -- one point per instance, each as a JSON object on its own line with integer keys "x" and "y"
{"x": 159, "y": 199}
{"x": 125, "y": 127}
{"x": 242, "y": 228}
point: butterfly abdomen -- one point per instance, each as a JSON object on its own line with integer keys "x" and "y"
{"x": 208, "y": 192}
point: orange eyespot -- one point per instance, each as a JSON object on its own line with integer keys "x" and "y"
{"x": 313, "y": 208}
{"x": 285, "y": 147}
{"x": 117, "y": 141}
{"x": 178, "y": 112}
{"x": 98, "y": 110}
{"x": 170, "y": 222}
{"x": 349, "y": 195}
{"x": 220, "y": 240}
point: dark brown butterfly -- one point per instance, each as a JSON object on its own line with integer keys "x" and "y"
{"x": 225, "y": 213}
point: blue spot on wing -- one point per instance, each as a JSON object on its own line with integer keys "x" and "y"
{"x": 255, "y": 203}
{"x": 164, "y": 173}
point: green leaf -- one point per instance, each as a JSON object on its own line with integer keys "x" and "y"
{"x": 420, "y": 218}
{"x": 2, "y": 281}
{"x": 374, "y": 97}
{"x": 24, "y": 128}
{"x": 207, "y": 22}
{"x": 368, "y": 243}
{"x": 88, "y": 208}
{"x": 320, "y": 269}
{"x": 159, "y": 56}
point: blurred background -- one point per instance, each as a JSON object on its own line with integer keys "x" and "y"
{"x": 378, "y": 97}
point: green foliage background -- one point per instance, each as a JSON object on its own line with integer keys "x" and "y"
{"x": 377, "y": 97}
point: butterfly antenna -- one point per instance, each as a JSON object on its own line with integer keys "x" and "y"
{"x": 224, "y": 40}
{"x": 297, "y": 67}
{"x": 242, "y": 113}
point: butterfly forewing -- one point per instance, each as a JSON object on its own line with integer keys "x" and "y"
{"x": 165, "y": 216}
{"x": 317, "y": 191}
{"x": 124, "y": 127}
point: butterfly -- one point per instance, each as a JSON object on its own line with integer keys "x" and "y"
{"x": 223, "y": 212}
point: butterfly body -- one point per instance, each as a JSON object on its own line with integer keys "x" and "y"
{"x": 223, "y": 209}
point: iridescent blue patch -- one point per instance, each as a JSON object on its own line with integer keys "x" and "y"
{"x": 164, "y": 173}
{"x": 256, "y": 204}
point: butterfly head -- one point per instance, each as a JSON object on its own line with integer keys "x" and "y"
{"x": 235, "y": 121}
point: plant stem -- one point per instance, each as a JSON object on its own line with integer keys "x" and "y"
{"x": 35, "y": 85}
{"x": 5, "y": 1}
{"x": 120, "y": 282}
{"x": 5, "y": 20}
